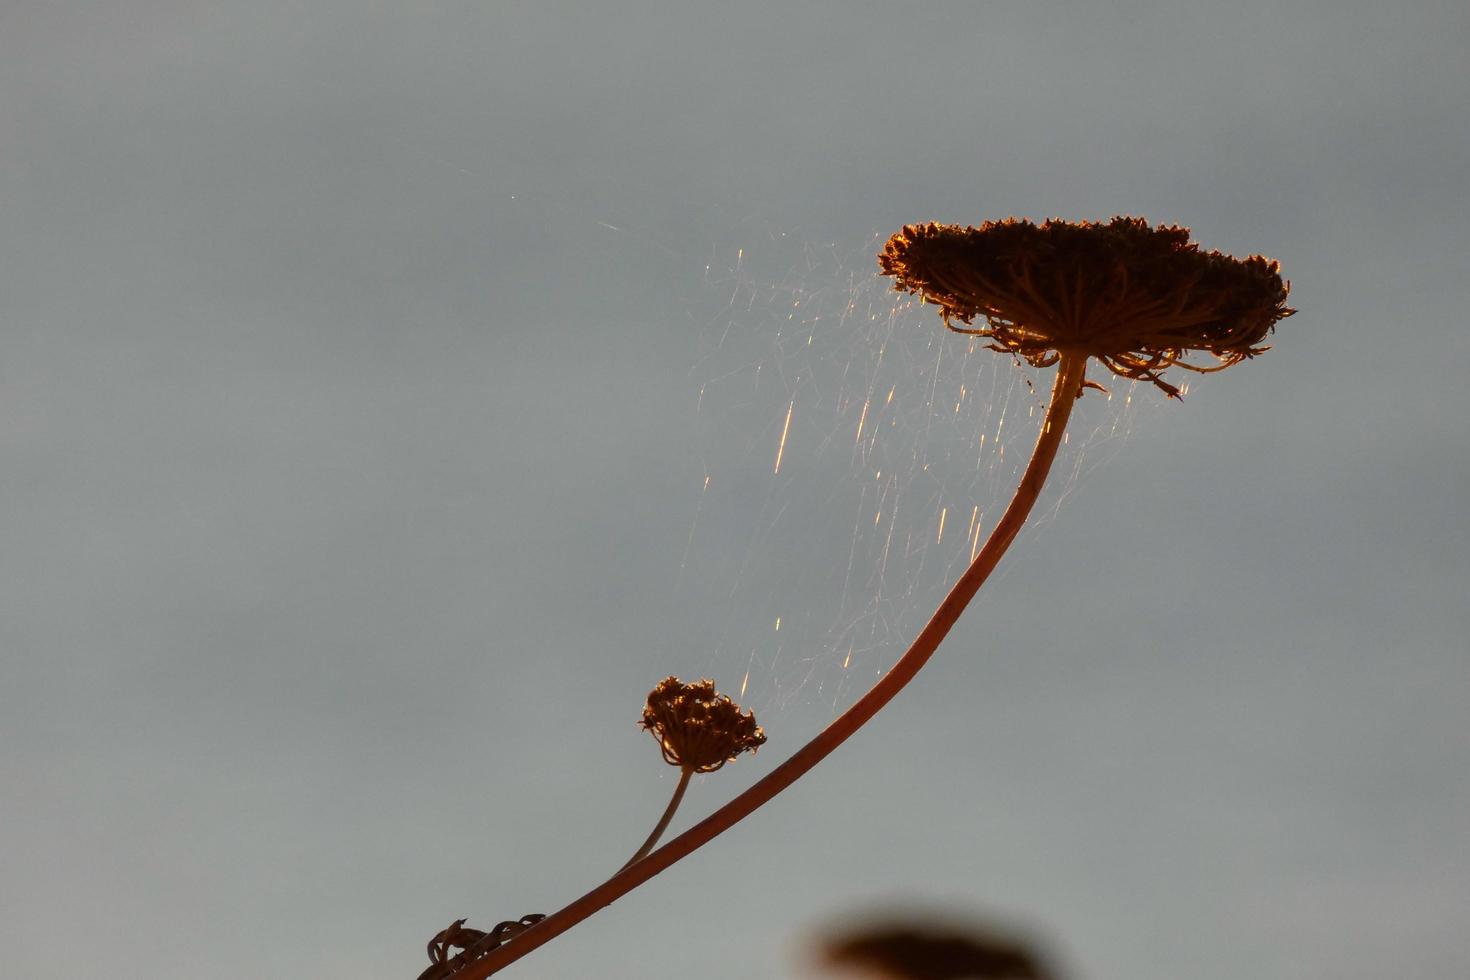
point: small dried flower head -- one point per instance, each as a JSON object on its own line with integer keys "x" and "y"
{"x": 1137, "y": 298}
{"x": 698, "y": 729}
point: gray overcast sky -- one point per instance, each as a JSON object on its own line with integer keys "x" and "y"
{"x": 352, "y": 485}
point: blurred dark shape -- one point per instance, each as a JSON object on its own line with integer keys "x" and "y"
{"x": 904, "y": 951}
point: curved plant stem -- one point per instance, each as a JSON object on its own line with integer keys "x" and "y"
{"x": 663, "y": 821}
{"x": 1071, "y": 372}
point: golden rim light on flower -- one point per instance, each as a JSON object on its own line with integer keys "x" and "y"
{"x": 1137, "y": 298}
{"x": 698, "y": 729}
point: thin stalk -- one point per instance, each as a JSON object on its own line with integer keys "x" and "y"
{"x": 1071, "y": 371}
{"x": 663, "y": 821}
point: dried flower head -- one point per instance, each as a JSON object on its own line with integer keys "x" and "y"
{"x": 698, "y": 729}
{"x": 1137, "y": 298}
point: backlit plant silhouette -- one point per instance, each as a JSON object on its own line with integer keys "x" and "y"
{"x": 697, "y": 730}
{"x": 1137, "y": 299}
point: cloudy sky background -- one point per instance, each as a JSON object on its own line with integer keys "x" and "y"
{"x": 354, "y": 461}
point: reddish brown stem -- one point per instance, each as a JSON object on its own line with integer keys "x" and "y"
{"x": 663, "y": 821}
{"x": 1071, "y": 372}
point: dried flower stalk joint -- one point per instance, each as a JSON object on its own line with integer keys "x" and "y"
{"x": 698, "y": 730}
{"x": 473, "y": 943}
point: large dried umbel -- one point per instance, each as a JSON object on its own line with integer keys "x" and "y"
{"x": 1137, "y": 298}
{"x": 698, "y": 729}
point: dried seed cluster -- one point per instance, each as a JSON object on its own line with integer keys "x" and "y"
{"x": 698, "y": 729}
{"x": 1137, "y": 298}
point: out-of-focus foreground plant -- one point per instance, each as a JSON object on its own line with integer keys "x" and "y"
{"x": 918, "y": 948}
{"x": 1137, "y": 299}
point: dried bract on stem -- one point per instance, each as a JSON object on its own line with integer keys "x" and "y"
{"x": 698, "y": 729}
{"x": 474, "y": 944}
{"x": 1137, "y": 298}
